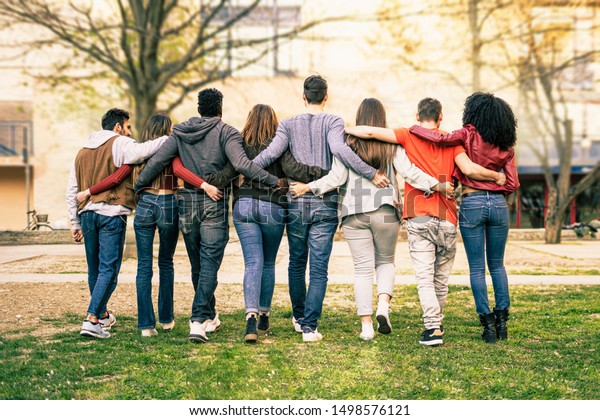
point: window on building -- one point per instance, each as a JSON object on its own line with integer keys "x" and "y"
{"x": 16, "y": 129}
{"x": 268, "y": 21}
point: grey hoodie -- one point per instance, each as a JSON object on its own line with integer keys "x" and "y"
{"x": 205, "y": 145}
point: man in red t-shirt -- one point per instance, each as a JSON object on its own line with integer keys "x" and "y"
{"x": 431, "y": 220}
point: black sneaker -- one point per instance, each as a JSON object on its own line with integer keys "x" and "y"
{"x": 432, "y": 337}
{"x": 251, "y": 334}
{"x": 263, "y": 324}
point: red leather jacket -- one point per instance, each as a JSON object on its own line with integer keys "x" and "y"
{"x": 480, "y": 152}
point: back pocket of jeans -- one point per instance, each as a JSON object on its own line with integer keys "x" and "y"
{"x": 470, "y": 216}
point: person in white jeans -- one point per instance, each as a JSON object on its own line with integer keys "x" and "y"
{"x": 369, "y": 216}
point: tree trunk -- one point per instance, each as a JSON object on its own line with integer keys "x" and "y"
{"x": 553, "y": 228}
{"x": 144, "y": 108}
{"x": 554, "y": 218}
{"x": 473, "y": 13}
{"x": 130, "y": 250}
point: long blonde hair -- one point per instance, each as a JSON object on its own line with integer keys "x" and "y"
{"x": 261, "y": 125}
{"x": 156, "y": 126}
{"x": 378, "y": 154}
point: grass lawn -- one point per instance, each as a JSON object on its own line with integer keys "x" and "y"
{"x": 552, "y": 353}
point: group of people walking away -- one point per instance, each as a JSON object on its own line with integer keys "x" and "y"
{"x": 334, "y": 175}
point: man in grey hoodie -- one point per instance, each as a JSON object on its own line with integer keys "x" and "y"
{"x": 102, "y": 218}
{"x": 205, "y": 145}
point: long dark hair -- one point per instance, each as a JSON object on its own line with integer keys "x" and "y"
{"x": 261, "y": 125}
{"x": 376, "y": 153}
{"x": 493, "y": 118}
{"x": 156, "y": 126}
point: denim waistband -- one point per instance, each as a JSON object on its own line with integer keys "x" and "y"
{"x": 487, "y": 193}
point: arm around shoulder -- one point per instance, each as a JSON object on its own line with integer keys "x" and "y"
{"x": 376, "y": 133}
{"x": 476, "y": 171}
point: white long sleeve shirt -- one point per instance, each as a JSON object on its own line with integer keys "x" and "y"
{"x": 361, "y": 195}
{"x": 125, "y": 150}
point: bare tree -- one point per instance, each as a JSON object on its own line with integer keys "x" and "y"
{"x": 506, "y": 40}
{"x": 157, "y": 50}
{"x": 474, "y": 36}
{"x": 542, "y": 70}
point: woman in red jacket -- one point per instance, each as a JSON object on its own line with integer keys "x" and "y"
{"x": 488, "y": 136}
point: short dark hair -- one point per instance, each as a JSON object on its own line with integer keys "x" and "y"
{"x": 210, "y": 102}
{"x": 429, "y": 109}
{"x": 113, "y": 117}
{"x": 493, "y": 118}
{"x": 315, "y": 89}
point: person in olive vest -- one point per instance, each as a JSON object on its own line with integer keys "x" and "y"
{"x": 102, "y": 218}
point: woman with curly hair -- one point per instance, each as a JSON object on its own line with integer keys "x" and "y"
{"x": 488, "y": 136}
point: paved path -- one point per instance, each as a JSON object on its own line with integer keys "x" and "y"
{"x": 281, "y": 279}
{"x": 575, "y": 250}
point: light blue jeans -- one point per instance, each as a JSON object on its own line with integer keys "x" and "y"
{"x": 484, "y": 223}
{"x": 259, "y": 225}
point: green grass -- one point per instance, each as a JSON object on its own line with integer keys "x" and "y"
{"x": 552, "y": 353}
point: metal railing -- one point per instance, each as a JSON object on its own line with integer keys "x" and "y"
{"x": 17, "y": 136}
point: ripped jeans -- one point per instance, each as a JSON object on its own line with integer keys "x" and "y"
{"x": 432, "y": 245}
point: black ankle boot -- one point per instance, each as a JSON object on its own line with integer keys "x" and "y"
{"x": 251, "y": 334}
{"x": 488, "y": 322}
{"x": 501, "y": 318}
{"x": 263, "y": 324}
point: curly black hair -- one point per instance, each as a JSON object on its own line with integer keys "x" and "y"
{"x": 493, "y": 118}
{"x": 210, "y": 102}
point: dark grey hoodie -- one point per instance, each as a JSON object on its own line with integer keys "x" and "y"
{"x": 205, "y": 145}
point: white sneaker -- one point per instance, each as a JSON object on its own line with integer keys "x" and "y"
{"x": 367, "y": 335}
{"x": 296, "y": 326}
{"x": 168, "y": 326}
{"x": 88, "y": 329}
{"x": 383, "y": 323}
{"x": 311, "y": 336}
{"x": 108, "y": 322}
{"x": 149, "y": 332}
{"x": 198, "y": 331}
{"x": 214, "y": 324}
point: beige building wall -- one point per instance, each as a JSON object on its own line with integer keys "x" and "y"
{"x": 13, "y": 209}
{"x": 356, "y": 61}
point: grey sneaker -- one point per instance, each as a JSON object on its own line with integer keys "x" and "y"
{"x": 108, "y": 321}
{"x": 198, "y": 331}
{"x": 89, "y": 329}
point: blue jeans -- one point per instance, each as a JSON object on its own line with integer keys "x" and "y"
{"x": 259, "y": 225}
{"x": 205, "y": 229}
{"x": 104, "y": 240}
{"x": 155, "y": 211}
{"x": 311, "y": 225}
{"x": 484, "y": 223}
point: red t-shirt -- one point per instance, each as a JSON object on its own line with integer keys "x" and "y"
{"x": 437, "y": 162}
